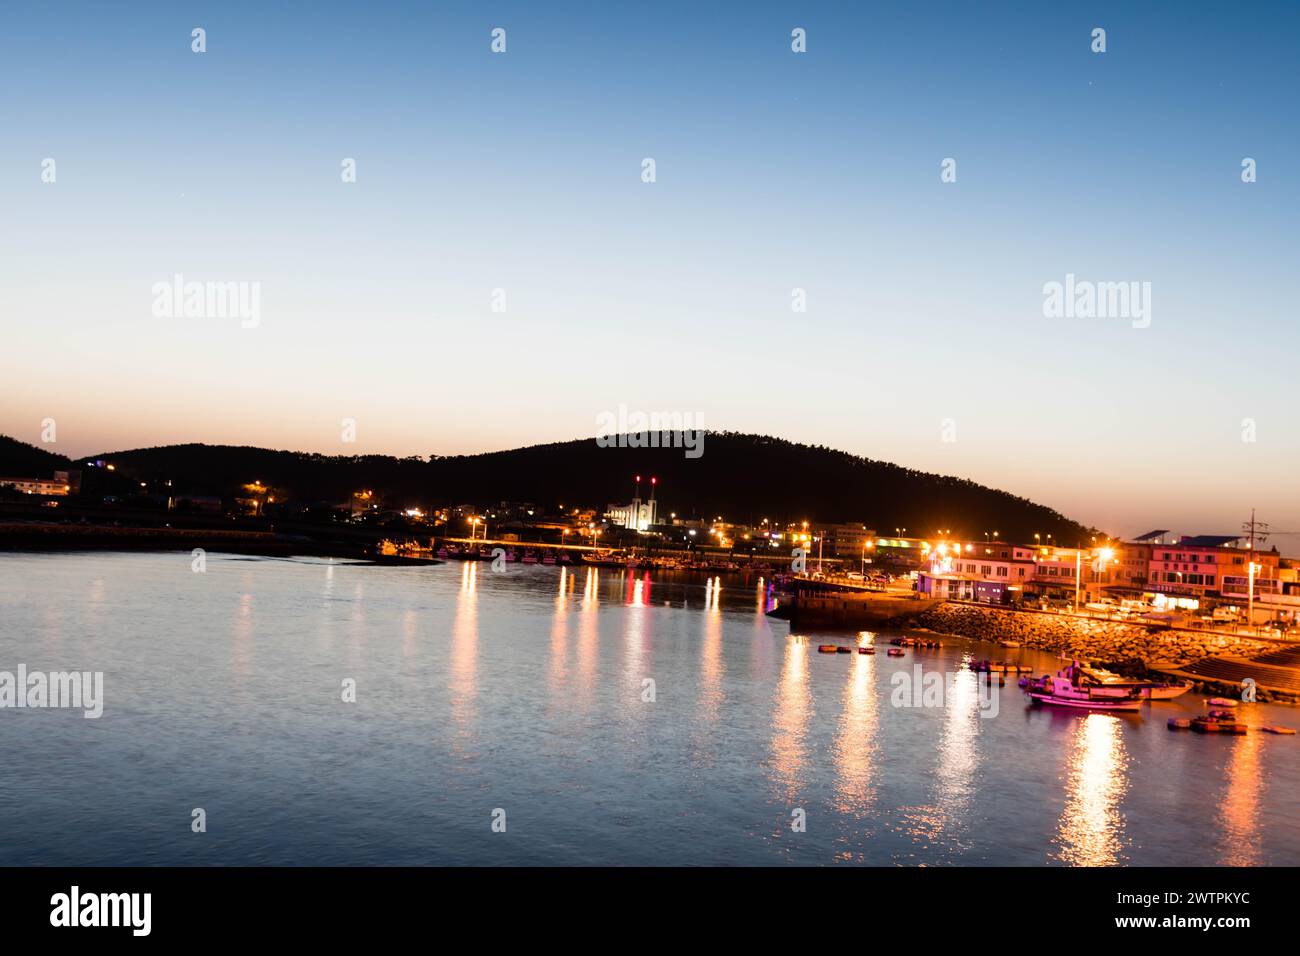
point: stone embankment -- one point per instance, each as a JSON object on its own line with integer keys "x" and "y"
{"x": 1093, "y": 639}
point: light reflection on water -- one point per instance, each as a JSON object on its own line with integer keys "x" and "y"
{"x": 856, "y": 748}
{"x": 1240, "y": 843}
{"x": 1091, "y": 831}
{"x": 524, "y": 689}
{"x": 793, "y": 710}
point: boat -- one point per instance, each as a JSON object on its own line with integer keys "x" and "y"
{"x": 828, "y": 649}
{"x": 895, "y": 652}
{"x": 1069, "y": 687}
{"x": 1275, "y": 729}
{"x": 872, "y": 650}
{"x": 1009, "y": 643}
{"x": 1221, "y": 702}
{"x": 548, "y": 558}
{"x": 1150, "y": 689}
{"x": 845, "y": 650}
{"x": 1179, "y": 723}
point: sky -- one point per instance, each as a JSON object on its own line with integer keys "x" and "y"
{"x": 924, "y": 341}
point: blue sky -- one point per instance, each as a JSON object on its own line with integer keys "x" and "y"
{"x": 775, "y": 170}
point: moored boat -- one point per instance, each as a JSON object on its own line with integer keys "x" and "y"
{"x": 1069, "y": 687}
{"x": 1149, "y": 689}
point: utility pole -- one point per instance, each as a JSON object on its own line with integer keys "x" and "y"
{"x": 1078, "y": 576}
{"x": 1253, "y": 528}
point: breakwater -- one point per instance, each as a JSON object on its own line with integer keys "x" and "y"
{"x": 1115, "y": 642}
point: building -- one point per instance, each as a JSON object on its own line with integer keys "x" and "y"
{"x": 1210, "y": 565}
{"x": 60, "y": 484}
{"x": 991, "y": 572}
{"x": 638, "y": 515}
{"x": 852, "y": 540}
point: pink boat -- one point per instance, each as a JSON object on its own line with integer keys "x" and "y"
{"x": 1069, "y": 687}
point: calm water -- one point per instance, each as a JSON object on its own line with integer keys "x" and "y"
{"x": 524, "y": 691}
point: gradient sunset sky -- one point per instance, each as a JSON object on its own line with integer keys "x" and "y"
{"x": 775, "y": 170}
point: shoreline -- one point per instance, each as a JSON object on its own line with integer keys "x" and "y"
{"x": 1132, "y": 650}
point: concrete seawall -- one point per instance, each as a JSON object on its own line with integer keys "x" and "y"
{"x": 1085, "y": 638}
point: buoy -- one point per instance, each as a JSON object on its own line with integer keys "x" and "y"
{"x": 827, "y": 648}
{"x": 1179, "y": 723}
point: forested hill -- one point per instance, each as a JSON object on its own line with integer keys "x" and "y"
{"x": 741, "y": 477}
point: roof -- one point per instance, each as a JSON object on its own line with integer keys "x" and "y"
{"x": 1207, "y": 540}
{"x": 1158, "y": 533}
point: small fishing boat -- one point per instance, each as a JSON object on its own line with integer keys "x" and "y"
{"x": 548, "y": 559}
{"x": 872, "y": 650}
{"x": 827, "y": 649}
{"x": 1179, "y": 723}
{"x": 844, "y": 650}
{"x": 1070, "y": 688}
{"x": 1009, "y": 643}
{"x": 1221, "y": 702}
{"x": 1275, "y": 729}
{"x": 895, "y": 652}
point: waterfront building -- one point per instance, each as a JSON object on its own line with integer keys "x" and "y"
{"x": 56, "y": 486}
{"x": 991, "y": 572}
{"x": 851, "y": 540}
{"x": 1204, "y": 565}
{"x": 638, "y": 515}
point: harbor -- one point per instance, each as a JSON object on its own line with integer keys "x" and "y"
{"x": 526, "y": 690}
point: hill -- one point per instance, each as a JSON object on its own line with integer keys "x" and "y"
{"x": 20, "y": 460}
{"x": 741, "y": 477}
